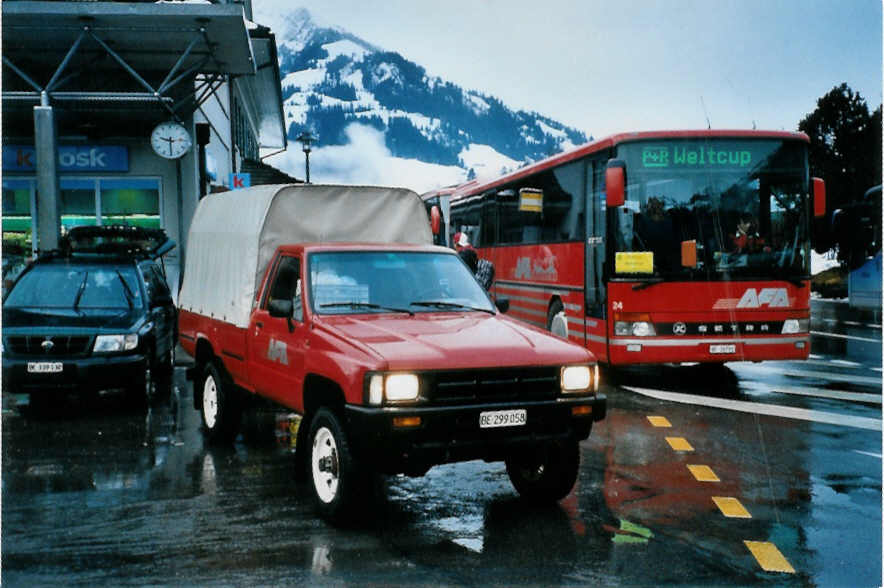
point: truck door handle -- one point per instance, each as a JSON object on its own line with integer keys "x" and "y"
{"x": 259, "y": 325}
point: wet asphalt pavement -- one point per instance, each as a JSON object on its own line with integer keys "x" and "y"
{"x": 103, "y": 494}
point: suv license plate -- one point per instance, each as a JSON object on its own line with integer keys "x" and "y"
{"x": 503, "y": 418}
{"x": 722, "y": 349}
{"x": 45, "y": 367}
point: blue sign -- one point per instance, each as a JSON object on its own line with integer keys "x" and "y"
{"x": 71, "y": 158}
{"x": 240, "y": 181}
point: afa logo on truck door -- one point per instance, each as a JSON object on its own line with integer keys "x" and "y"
{"x": 753, "y": 298}
{"x": 277, "y": 351}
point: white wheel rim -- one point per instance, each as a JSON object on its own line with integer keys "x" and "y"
{"x": 210, "y": 402}
{"x": 559, "y": 325}
{"x": 325, "y": 465}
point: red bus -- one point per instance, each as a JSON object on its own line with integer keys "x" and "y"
{"x": 654, "y": 247}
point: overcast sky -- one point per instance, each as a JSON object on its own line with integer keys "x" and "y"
{"x": 606, "y": 67}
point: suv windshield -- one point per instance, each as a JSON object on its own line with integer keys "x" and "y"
{"x": 77, "y": 287}
{"x": 742, "y": 202}
{"x": 391, "y": 281}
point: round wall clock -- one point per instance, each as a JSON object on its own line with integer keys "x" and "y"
{"x": 170, "y": 140}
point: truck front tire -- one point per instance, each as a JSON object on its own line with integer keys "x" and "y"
{"x": 218, "y": 408}
{"x": 334, "y": 475}
{"x": 547, "y": 474}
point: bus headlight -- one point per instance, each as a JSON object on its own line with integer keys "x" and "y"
{"x": 792, "y": 326}
{"x": 635, "y": 329}
{"x": 392, "y": 387}
{"x": 576, "y": 379}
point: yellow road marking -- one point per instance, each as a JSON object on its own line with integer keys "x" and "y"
{"x": 769, "y": 557}
{"x": 731, "y": 507}
{"x": 679, "y": 444}
{"x": 703, "y": 473}
{"x": 659, "y": 421}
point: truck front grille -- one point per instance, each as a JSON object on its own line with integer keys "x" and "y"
{"x": 526, "y": 383}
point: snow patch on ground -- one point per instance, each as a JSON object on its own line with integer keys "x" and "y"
{"x": 820, "y": 263}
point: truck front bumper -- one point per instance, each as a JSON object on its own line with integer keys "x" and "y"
{"x": 412, "y": 439}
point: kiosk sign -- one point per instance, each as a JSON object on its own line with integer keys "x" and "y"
{"x": 71, "y": 158}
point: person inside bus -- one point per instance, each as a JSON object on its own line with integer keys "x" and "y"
{"x": 654, "y": 231}
{"x": 466, "y": 251}
{"x": 746, "y": 238}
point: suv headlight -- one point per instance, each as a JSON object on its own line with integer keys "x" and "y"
{"x": 577, "y": 378}
{"x": 115, "y": 343}
{"x": 395, "y": 387}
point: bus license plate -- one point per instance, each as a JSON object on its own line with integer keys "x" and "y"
{"x": 722, "y": 349}
{"x": 45, "y": 367}
{"x": 503, "y": 418}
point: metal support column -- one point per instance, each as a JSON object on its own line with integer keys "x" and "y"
{"x": 45, "y": 140}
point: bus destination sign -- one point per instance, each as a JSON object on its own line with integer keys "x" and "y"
{"x": 666, "y": 156}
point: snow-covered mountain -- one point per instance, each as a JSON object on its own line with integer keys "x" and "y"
{"x": 381, "y": 119}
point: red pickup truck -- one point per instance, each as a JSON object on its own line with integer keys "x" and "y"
{"x": 331, "y": 301}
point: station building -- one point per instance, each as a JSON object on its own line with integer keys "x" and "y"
{"x": 130, "y": 112}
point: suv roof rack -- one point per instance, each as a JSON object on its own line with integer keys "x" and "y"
{"x": 116, "y": 240}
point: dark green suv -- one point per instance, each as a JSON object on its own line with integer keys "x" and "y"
{"x": 95, "y": 315}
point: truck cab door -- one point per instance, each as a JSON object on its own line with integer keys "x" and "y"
{"x": 277, "y": 344}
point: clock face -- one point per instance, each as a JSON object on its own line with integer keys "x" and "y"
{"x": 170, "y": 140}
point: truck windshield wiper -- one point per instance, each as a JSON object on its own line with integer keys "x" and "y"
{"x": 647, "y": 283}
{"x": 366, "y": 305}
{"x": 444, "y": 304}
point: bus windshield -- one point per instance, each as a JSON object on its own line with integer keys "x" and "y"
{"x": 741, "y": 204}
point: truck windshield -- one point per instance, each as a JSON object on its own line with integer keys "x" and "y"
{"x": 741, "y": 203}
{"x": 358, "y": 282}
{"x": 77, "y": 287}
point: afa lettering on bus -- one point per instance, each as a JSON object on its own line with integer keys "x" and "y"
{"x": 707, "y": 156}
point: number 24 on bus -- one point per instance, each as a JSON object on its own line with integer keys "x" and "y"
{"x": 653, "y": 247}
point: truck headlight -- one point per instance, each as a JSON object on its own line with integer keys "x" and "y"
{"x": 392, "y": 387}
{"x": 576, "y": 378}
{"x": 792, "y": 326}
{"x": 115, "y": 343}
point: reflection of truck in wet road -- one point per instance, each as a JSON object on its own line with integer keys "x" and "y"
{"x": 331, "y": 301}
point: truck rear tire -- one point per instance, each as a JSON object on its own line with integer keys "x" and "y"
{"x": 219, "y": 409}
{"x": 334, "y": 475}
{"x": 547, "y": 474}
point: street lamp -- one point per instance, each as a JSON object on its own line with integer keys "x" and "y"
{"x": 306, "y": 138}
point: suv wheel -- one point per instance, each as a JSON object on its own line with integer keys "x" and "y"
{"x": 334, "y": 474}
{"x": 219, "y": 410}
{"x": 163, "y": 375}
{"x": 547, "y": 474}
{"x": 142, "y": 391}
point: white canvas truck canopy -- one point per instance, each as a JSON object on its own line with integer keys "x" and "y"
{"x": 234, "y": 235}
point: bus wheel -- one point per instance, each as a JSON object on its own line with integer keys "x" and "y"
{"x": 556, "y": 321}
{"x": 547, "y": 474}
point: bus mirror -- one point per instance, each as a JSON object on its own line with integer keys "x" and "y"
{"x": 689, "y": 254}
{"x": 435, "y": 220}
{"x": 615, "y": 183}
{"x": 819, "y": 197}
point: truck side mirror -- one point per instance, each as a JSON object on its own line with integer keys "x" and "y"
{"x": 280, "y": 308}
{"x": 819, "y": 197}
{"x": 502, "y": 304}
{"x": 615, "y": 183}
